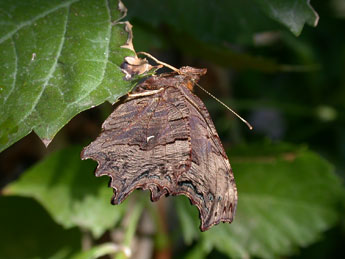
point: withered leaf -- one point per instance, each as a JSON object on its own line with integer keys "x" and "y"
{"x": 163, "y": 139}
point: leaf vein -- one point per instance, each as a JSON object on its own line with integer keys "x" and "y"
{"x": 53, "y": 68}
{"x": 14, "y": 72}
{"x": 105, "y": 63}
{"x": 31, "y": 21}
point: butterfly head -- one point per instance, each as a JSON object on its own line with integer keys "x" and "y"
{"x": 191, "y": 75}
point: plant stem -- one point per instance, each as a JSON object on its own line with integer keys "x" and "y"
{"x": 98, "y": 251}
{"x": 131, "y": 228}
{"x": 162, "y": 241}
{"x": 86, "y": 242}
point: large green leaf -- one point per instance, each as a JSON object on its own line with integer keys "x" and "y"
{"x": 68, "y": 189}
{"x": 292, "y": 13}
{"x": 223, "y": 21}
{"x": 58, "y": 58}
{"x": 209, "y": 21}
{"x": 287, "y": 198}
{"x": 27, "y": 231}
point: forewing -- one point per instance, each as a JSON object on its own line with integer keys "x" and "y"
{"x": 145, "y": 143}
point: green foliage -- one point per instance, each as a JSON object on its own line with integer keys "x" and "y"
{"x": 287, "y": 197}
{"x": 97, "y": 251}
{"x": 292, "y": 13}
{"x": 61, "y": 57}
{"x": 27, "y": 231}
{"x": 224, "y": 20}
{"x": 218, "y": 30}
{"x": 68, "y": 190}
{"x": 58, "y": 59}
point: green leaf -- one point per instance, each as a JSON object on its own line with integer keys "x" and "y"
{"x": 223, "y": 21}
{"x": 287, "y": 197}
{"x": 291, "y": 13}
{"x": 27, "y": 231}
{"x": 196, "y": 252}
{"x": 72, "y": 195}
{"x": 213, "y": 22}
{"x": 58, "y": 58}
{"x": 187, "y": 215}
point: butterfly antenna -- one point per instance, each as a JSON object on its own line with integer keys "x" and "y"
{"x": 178, "y": 71}
{"x": 158, "y": 61}
{"x": 227, "y": 107}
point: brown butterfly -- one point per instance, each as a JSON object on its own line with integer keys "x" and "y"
{"x": 163, "y": 139}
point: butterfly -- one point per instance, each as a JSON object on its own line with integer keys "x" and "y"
{"x": 162, "y": 138}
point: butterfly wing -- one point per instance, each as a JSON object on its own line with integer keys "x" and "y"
{"x": 145, "y": 143}
{"x": 210, "y": 173}
{"x": 167, "y": 143}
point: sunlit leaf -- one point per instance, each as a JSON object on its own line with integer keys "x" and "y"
{"x": 58, "y": 58}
